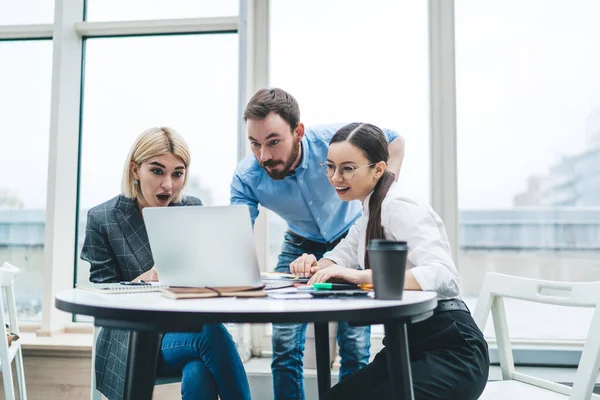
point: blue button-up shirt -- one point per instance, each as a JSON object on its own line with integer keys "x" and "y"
{"x": 304, "y": 199}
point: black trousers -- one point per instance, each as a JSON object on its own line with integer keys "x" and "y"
{"x": 449, "y": 361}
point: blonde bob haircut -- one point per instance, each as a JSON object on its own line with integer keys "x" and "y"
{"x": 154, "y": 142}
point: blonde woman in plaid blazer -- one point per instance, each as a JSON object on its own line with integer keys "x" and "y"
{"x": 116, "y": 246}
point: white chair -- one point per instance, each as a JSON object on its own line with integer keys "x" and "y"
{"x": 8, "y": 354}
{"x": 516, "y": 385}
{"x": 95, "y": 393}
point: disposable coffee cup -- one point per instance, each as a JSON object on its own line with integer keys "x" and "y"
{"x": 387, "y": 260}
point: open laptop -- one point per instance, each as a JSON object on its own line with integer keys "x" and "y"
{"x": 203, "y": 246}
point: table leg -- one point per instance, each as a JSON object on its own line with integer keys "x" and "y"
{"x": 141, "y": 365}
{"x": 398, "y": 360}
{"x": 323, "y": 361}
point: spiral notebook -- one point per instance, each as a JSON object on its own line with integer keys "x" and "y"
{"x": 117, "y": 288}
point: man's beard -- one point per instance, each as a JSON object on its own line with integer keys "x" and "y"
{"x": 287, "y": 166}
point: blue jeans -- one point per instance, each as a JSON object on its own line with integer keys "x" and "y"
{"x": 208, "y": 361}
{"x": 288, "y": 339}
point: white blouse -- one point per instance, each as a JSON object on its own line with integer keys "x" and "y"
{"x": 429, "y": 256}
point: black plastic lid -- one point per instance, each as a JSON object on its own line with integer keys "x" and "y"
{"x": 381, "y": 244}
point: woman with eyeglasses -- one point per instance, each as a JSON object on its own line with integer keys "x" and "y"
{"x": 116, "y": 246}
{"x": 449, "y": 355}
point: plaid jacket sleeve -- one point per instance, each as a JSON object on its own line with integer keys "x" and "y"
{"x": 99, "y": 253}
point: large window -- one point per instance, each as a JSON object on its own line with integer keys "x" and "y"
{"x": 189, "y": 83}
{"x": 25, "y": 78}
{"x": 529, "y": 151}
{"x": 353, "y": 61}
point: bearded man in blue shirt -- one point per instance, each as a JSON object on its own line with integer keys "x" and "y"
{"x": 284, "y": 175}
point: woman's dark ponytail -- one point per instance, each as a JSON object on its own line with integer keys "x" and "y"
{"x": 374, "y": 228}
{"x": 371, "y": 140}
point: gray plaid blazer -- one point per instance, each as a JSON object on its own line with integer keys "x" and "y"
{"x": 116, "y": 246}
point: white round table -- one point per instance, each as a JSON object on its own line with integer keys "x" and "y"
{"x": 148, "y": 314}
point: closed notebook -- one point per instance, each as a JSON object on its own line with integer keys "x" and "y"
{"x": 117, "y": 288}
{"x": 205, "y": 292}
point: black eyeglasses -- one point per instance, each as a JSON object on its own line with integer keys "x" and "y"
{"x": 347, "y": 171}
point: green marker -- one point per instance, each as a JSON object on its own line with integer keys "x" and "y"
{"x": 334, "y": 286}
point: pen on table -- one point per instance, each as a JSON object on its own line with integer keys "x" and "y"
{"x": 366, "y": 286}
{"x": 334, "y": 286}
{"x": 140, "y": 283}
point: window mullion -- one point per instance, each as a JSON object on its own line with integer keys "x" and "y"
{"x": 63, "y": 159}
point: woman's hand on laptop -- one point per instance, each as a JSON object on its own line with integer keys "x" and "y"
{"x": 338, "y": 272}
{"x": 149, "y": 276}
